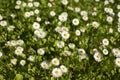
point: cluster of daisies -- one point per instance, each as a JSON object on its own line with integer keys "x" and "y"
{"x": 31, "y": 11}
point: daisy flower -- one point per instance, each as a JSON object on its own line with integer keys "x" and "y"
{"x": 75, "y": 21}
{"x": 117, "y": 62}
{"x": 44, "y": 65}
{"x": 64, "y": 69}
{"x": 55, "y": 61}
{"x": 22, "y": 62}
{"x": 57, "y": 72}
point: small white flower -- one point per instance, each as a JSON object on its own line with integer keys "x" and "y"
{"x": 67, "y": 53}
{"x": 60, "y": 44}
{"x": 36, "y": 11}
{"x": 63, "y": 16}
{"x": 65, "y": 29}
{"x": 22, "y": 62}
{"x": 52, "y": 13}
{"x": 57, "y": 72}
{"x": 119, "y": 29}
{"x": 44, "y": 65}
{"x": 38, "y": 19}
{"x": 71, "y": 45}
{"x": 27, "y": 14}
{"x": 105, "y": 51}
{"x": 98, "y": 57}
{"x": 20, "y": 42}
{"x": 13, "y": 15}
{"x": 24, "y": 4}
{"x": 76, "y": 1}
{"x": 1, "y": 54}
{"x": 110, "y": 30}
{"x": 1, "y": 17}
{"x": 36, "y": 25}
{"x": 83, "y": 13}
{"x": 105, "y": 42}
{"x": 77, "y": 32}
{"x": 14, "y": 61}
{"x": 106, "y": 2}
{"x": 31, "y": 13}
{"x": 30, "y": 4}
{"x": 119, "y": 14}
{"x": 85, "y": 18}
{"x": 36, "y": 4}
{"x": 97, "y": 0}
{"x": 31, "y": 58}
{"x": 75, "y": 21}
{"x": 77, "y": 9}
{"x": 118, "y": 7}
{"x": 95, "y": 24}
{"x": 41, "y": 51}
{"x": 18, "y": 2}
{"x": 64, "y": 69}
{"x": 116, "y": 52}
{"x": 117, "y": 62}
{"x": 82, "y": 54}
{"x": 3, "y": 23}
{"x": 10, "y": 28}
{"x": 13, "y": 43}
{"x": 65, "y": 35}
{"x": 55, "y": 61}
{"x": 49, "y": 5}
{"x": 42, "y": 35}
{"x": 81, "y": 51}
{"x": 64, "y": 2}
{"x": 109, "y": 19}
{"x": 17, "y": 7}
{"x": 19, "y": 51}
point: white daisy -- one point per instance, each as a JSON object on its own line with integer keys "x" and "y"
{"x": 57, "y": 72}
{"x": 31, "y": 58}
{"x": 3, "y": 23}
{"x": 95, "y": 24}
{"x": 63, "y": 16}
{"x": 60, "y": 44}
{"x": 71, "y": 45}
{"x": 105, "y": 51}
{"x": 117, "y": 62}
{"x": 55, "y": 61}
{"x": 36, "y": 11}
{"x": 65, "y": 35}
{"x": 1, "y": 54}
{"x": 38, "y": 19}
{"x": 22, "y": 62}
{"x": 109, "y": 19}
{"x": 44, "y": 65}
{"x": 36, "y": 4}
{"x": 11, "y": 28}
{"x": 83, "y": 13}
{"x": 20, "y": 42}
{"x": 27, "y": 14}
{"x": 105, "y": 42}
{"x": 30, "y": 4}
{"x": 52, "y": 13}
{"x": 1, "y": 17}
{"x": 77, "y": 32}
{"x": 64, "y": 69}
{"x": 64, "y": 2}
{"x": 116, "y": 52}
{"x": 14, "y": 61}
{"x": 41, "y": 51}
{"x": 75, "y": 21}
{"x": 67, "y": 53}
{"x": 98, "y": 57}
{"x": 36, "y": 25}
